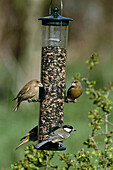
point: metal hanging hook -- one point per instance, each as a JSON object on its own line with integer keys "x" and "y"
{"x": 50, "y": 7}
{"x": 50, "y": 13}
{"x": 61, "y": 4}
{"x": 61, "y": 7}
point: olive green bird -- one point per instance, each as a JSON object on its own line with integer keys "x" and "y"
{"x": 32, "y": 135}
{"x": 27, "y": 92}
{"x": 74, "y": 91}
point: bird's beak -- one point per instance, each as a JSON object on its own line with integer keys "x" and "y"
{"x": 40, "y": 85}
{"x": 74, "y": 130}
{"x": 73, "y": 84}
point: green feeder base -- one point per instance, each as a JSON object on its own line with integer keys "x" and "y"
{"x": 52, "y": 146}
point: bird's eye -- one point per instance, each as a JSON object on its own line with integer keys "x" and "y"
{"x": 75, "y": 81}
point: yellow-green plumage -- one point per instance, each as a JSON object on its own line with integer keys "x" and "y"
{"x": 74, "y": 91}
{"x": 27, "y": 92}
{"x": 32, "y": 135}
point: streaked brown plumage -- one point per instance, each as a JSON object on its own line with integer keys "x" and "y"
{"x": 74, "y": 91}
{"x": 32, "y": 135}
{"x": 27, "y": 92}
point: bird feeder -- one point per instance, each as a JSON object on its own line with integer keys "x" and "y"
{"x": 53, "y": 63}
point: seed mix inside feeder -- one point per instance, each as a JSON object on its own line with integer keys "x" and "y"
{"x": 53, "y": 63}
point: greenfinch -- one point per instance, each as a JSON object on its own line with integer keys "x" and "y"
{"x": 32, "y": 135}
{"x": 74, "y": 91}
{"x": 27, "y": 92}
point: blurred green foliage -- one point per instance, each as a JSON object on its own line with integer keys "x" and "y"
{"x": 92, "y": 156}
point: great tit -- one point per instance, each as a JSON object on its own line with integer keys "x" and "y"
{"x": 27, "y": 92}
{"x": 32, "y": 135}
{"x": 58, "y": 135}
{"x": 74, "y": 91}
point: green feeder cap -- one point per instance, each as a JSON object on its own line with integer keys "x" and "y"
{"x": 55, "y": 19}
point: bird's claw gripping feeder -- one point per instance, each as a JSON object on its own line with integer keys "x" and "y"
{"x": 53, "y": 62}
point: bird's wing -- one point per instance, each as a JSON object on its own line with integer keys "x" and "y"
{"x": 32, "y": 134}
{"x": 23, "y": 91}
{"x": 26, "y": 136}
{"x": 58, "y": 135}
{"x": 34, "y": 129}
{"x": 54, "y": 128}
{"x": 61, "y": 136}
{"x": 55, "y": 137}
{"x": 69, "y": 90}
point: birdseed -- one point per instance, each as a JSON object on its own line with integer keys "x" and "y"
{"x": 53, "y": 78}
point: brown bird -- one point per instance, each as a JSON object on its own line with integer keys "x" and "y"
{"x": 32, "y": 135}
{"x": 27, "y": 92}
{"x": 74, "y": 91}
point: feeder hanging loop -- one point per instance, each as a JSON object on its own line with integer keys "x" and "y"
{"x": 61, "y": 4}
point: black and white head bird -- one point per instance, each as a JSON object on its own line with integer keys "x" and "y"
{"x": 59, "y": 134}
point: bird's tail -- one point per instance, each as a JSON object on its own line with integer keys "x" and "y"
{"x": 24, "y": 141}
{"x": 16, "y": 107}
{"x": 37, "y": 146}
{"x": 27, "y": 136}
{"x": 14, "y": 98}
